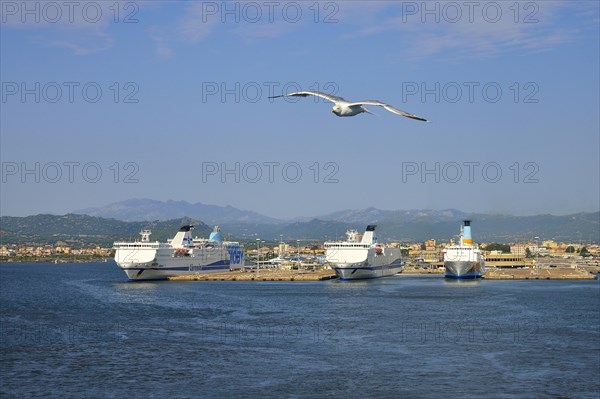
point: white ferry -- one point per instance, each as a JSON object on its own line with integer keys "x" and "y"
{"x": 464, "y": 260}
{"x": 147, "y": 260}
{"x": 364, "y": 258}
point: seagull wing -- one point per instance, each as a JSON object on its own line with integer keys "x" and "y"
{"x": 329, "y": 97}
{"x": 389, "y": 108}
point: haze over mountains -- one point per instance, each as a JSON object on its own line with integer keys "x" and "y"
{"x": 147, "y": 209}
{"x": 83, "y": 230}
{"x": 123, "y": 220}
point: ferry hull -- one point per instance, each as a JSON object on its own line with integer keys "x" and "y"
{"x": 358, "y": 272}
{"x": 463, "y": 269}
{"x": 137, "y": 272}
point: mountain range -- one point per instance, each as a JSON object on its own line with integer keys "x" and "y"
{"x": 83, "y": 230}
{"x": 124, "y": 220}
{"x": 146, "y": 209}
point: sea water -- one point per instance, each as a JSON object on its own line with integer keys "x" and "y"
{"x": 82, "y": 330}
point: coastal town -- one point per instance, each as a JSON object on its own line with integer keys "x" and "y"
{"x": 423, "y": 256}
{"x": 60, "y": 252}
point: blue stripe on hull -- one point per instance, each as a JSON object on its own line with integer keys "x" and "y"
{"x": 223, "y": 267}
{"x": 464, "y": 276}
{"x": 364, "y": 278}
{"x": 390, "y": 266}
{"x": 145, "y": 280}
{"x": 212, "y": 266}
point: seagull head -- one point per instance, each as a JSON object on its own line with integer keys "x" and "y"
{"x": 336, "y": 109}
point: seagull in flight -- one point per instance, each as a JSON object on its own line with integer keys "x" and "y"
{"x": 343, "y": 107}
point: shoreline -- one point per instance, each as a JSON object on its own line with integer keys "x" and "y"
{"x": 262, "y": 275}
{"x": 276, "y": 274}
{"x": 56, "y": 260}
{"x": 322, "y": 275}
{"x": 542, "y": 274}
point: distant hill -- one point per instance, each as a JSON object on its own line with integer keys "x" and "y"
{"x": 147, "y": 209}
{"x": 82, "y": 230}
{"x": 314, "y": 229}
{"x": 413, "y": 226}
{"x": 499, "y": 228}
{"x": 373, "y": 215}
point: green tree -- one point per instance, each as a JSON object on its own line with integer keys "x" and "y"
{"x": 505, "y": 248}
{"x": 570, "y": 249}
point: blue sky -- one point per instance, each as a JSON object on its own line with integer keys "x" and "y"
{"x": 162, "y": 97}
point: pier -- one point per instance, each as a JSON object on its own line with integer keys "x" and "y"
{"x": 273, "y": 274}
{"x": 414, "y": 270}
{"x": 280, "y": 274}
{"x": 541, "y": 274}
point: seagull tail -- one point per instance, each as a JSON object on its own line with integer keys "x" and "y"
{"x": 367, "y": 111}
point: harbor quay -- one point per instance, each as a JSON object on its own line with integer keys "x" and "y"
{"x": 539, "y": 274}
{"x": 270, "y": 274}
{"x": 285, "y": 274}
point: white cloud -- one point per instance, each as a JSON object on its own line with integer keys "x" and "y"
{"x": 196, "y": 25}
{"x": 476, "y": 32}
{"x": 163, "y": 50}
{"x": 79, "y": 27}
{"x": 81, "y": 49}
{"x": 84, "y": 43}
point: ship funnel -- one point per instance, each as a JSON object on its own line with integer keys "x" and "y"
{"x": 369, "y": 236}
{"x": 467, "y": 239}
{"x": 216, "y": 235}
{"x": 183, "y": 238}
